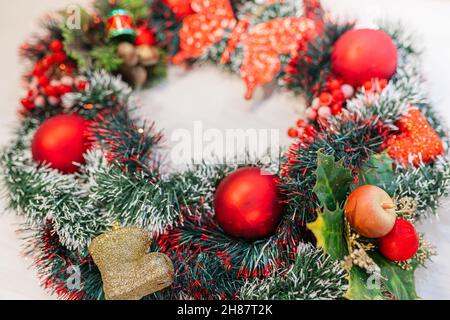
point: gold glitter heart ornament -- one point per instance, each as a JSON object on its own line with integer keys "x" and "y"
{"x": 128, "y": 271}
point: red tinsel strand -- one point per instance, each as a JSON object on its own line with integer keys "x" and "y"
{"x": 44, "y": 250}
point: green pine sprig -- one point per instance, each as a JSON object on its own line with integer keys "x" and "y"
{"x": 313, "y": 275}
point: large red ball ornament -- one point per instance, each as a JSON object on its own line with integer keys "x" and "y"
{"x": 362, "y": 54}
{"x": 401, "y": 243}
{"x": 247, "y": 204}
{"x": 60, "y": 142}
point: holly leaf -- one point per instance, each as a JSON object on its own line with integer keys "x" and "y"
{"x": 378, "y": 171}
{"x": 362, "y": 286}
{"x": 329, "y": 232}
{"x": 398, "y": 281}
{"x": 332, "y": 181}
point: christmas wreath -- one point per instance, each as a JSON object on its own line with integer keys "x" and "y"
{"x": 337, "y": 218}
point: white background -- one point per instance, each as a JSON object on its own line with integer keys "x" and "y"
{"x": 216, "y": 100}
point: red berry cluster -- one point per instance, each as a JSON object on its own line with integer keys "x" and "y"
{"x": 303, "y": 131}
{"x": 375, "y": 85}
{"x": 51, "y": 78}
{"x": 329, "y": 102}
{"x": 332, "y": 101}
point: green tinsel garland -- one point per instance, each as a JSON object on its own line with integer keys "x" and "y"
{"x": 65, "y": 212}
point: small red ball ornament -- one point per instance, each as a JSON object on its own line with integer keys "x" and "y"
{"x": 60, "y": 141}
{"x": 247, "y": 204}
{"x": 362, "y": 54}
{"x": 144, "y": 37}
{"x": 401, "y": 243}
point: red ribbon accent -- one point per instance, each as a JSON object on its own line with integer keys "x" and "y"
{"x": 262, "y": 43}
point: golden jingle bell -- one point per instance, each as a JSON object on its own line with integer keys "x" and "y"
{"x": 128, "y": 271}
{"x": 148, "y": 55}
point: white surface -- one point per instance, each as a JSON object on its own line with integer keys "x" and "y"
{"x": 215, "y": 99}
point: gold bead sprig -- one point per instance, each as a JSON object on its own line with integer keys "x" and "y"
{"x": 426, "y": 250}
{"x": 405, "y": 208}
{"x": 358, "y": 252}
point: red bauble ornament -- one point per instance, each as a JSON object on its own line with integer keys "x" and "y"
{"x": 362, "y": 54}
{"x": 144, "y": 36}
{"x": 401, "y": 243}
{"x": 181, "y": 8}
{"x": 60, "y": 141}
{"x": 247, "y": 204}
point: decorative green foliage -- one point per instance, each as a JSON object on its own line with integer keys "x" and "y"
{"x": 332, "y": 184}
{"x": 70, "y": 37}
{"x": 312, "y": 276}
{"x": 426, "y": 184}
{"x": 391, "y": 282}
{"x": 78, "y": 42}
{"x": 329, "y": 230}
{"x": 104, "y": 93}
{"x": 152, "y": 204}
{"x": 378, "y": 171}
{"x": 214, "y": 55}
{"x": 332, "y": 181}
{"x": 397, "y": 281}
{"x": 360, "y": 287}
{"x": 106, "y": 58}
{"x": 138, "y": 8}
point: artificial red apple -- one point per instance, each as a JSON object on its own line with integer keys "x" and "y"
{"x": 370, "y": 211}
